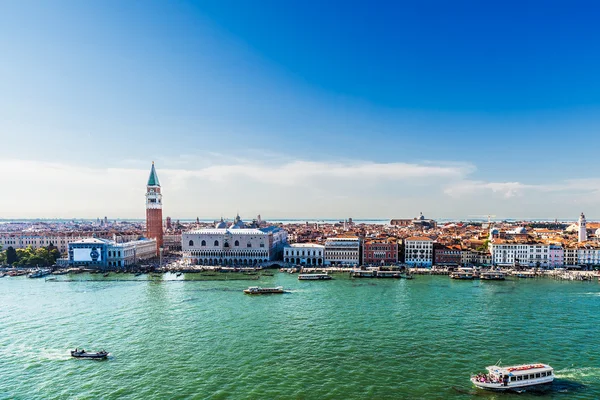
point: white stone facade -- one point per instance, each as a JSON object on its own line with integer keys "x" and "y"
{"x": 522, "y": 254}
{"x": 304, "y": 254}
{"x": 418, "y": 251}
{"x": 233, "y": 246}
{"x": 342, "y": 251}
{"x": 21, "y": 241}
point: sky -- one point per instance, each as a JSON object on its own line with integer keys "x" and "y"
{"x": 300, "y": 109}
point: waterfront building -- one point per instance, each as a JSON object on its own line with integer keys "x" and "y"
{"x": 36, "y": 241}
{"x": 570, "y": 255}
{"x": 154, "y": 223}
{"x": 380, "y": 251}
{"x": 588, "y": 254}
{"x": 304, "y": 254}
{"x": 556, "y": 256}
{"x": 418, "y": 251}
{"x": 108, "y": 254}
{"x": 470, "y": 257}
{"x": 342, "y": 250}
{"x": 513, "y": 253}
{"x": 233, "y": 245}
{"x": 582, "y": 232}
{"x": 447, "y": 255}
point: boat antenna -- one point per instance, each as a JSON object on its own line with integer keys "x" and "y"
{"x": 498, "y": 363}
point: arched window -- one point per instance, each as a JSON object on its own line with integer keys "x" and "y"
{"x": 216, "y": 242}
{"x": 237, "y": 243}
{"x": 203, "y": 243}
{"x": 226, "y": 244}
{"x": 262, "y": 245}
{"x": 191, "y": 243}
{"x": 249, "y": 245}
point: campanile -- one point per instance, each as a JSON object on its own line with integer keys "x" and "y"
{"x": 154, "y": 228}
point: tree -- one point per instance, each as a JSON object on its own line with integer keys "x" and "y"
{"x": 11, "y": 255}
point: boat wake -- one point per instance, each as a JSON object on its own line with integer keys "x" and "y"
{"x": 578, "y": 373}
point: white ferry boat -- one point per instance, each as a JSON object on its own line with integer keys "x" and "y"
{"x": 514, "y": 377}
{"x": 492, "y": 276}
{"x": 39, "y": 273}
{"x": 261, "y": 290}
{"x": 463, "y": 273}
{"x": 313, "y": 277}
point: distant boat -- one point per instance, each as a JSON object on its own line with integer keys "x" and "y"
{"x": 492, "y": 276}
{"x": 260, "y": 290}
{"x": 39, "y": 273}
{"x": 313, "y": 277}
{"x": 514, "y": 377}
{"x": 84, "y": 354}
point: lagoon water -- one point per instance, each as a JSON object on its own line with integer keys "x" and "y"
{"x": 346, "y": 339}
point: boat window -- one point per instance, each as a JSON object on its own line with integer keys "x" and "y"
{"x": 537, "y": 375}
{"x": 549, "y": 373}
{"x": 543, "y": 374}
{"x": 525, "y": 377}
{"x": 519, "y": 378}
{"x": 513, "y": 378}
{"x": 532, "y": 376}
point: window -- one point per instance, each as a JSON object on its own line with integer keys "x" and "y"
{"x": 191, "y": 243}
{"x": 203, "y": 243}
{"x": 543, "y": 374}
{"x": 513, "y": 378}
{"x": 237, "y": 243}
{"x": 549, "y": 373}
{"x": 226, "y": 244}
{"x": 216, "y": 242}
{"x": 262, "y": 245}
{"x": 519, "y": 378}
{"x": 537, "y": 375}
{"x": 249, "y": 245}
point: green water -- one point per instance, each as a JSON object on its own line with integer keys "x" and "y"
{"x": 340, "y": 339}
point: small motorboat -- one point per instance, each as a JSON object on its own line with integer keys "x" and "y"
{"x": 84, "y": 354}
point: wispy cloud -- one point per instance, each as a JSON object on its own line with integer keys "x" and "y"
{"x": 293, "y": 188}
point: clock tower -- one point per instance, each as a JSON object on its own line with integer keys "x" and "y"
{"x": 154, "y": 228}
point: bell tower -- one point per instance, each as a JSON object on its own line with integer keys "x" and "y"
{"x": 154, "y": 228}
{"x": 582, "y": 237}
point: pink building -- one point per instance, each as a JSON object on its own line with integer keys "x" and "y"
{"x": 556, "y": 256}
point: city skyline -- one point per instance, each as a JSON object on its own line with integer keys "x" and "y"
{"x": 367, "y": 114}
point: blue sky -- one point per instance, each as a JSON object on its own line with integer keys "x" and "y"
{"x": 301, "y": 108}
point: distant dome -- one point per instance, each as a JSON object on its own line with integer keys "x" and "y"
{"x": 494, "y": 231}
{"x": 520, "y": 230}
{"x": 221, "y": 224}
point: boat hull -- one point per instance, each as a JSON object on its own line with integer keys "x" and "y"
{"x": 518, "y": 385}
{"x": 97, "y": 356}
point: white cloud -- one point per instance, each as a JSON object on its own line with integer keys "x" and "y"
{"x": 276, "y": 189}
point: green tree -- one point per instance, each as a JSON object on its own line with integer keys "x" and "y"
{"x": 11, "y": 255}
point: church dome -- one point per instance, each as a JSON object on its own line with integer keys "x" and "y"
{"x": 221, "y": 224}
{"x": 520, "y": 230}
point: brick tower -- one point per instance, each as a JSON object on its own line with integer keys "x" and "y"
{"x": 154, "y": 228}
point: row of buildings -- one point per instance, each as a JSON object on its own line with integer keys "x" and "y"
{"x": 416, "y": 242}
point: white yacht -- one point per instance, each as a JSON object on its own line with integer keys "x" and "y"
{"x": 514, "y": 377}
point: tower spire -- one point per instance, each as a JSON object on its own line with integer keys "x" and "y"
{"x": 153, "y": 178}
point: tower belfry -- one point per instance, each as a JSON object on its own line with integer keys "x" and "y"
{"x": 154, "y": 228}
